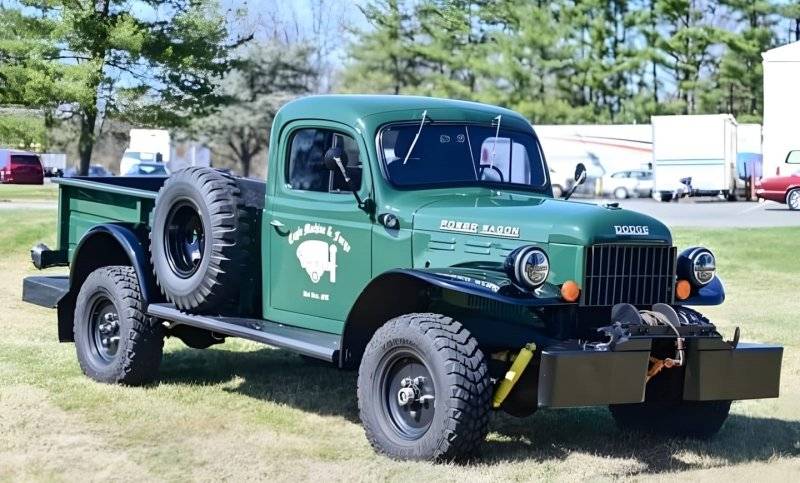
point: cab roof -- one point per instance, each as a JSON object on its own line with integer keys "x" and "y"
{"x": 349, "y": 109}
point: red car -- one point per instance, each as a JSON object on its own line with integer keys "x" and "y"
{"x": 783, "y": 189}
{"x": 20, "y": 167}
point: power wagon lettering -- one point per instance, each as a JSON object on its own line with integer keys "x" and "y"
{"x": 491, "y": 230}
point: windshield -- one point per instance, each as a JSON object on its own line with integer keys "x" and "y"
{"x": 461, "y": 154}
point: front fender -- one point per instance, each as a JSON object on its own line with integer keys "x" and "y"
{"x": 401, "y": 291}
{"x": 490, "y": 284}
{"x": 711, "y": 294}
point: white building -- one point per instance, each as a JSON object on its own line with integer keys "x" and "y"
{"x": 781, "y": 104}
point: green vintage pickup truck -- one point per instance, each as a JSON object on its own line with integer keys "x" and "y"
{"x": 416, "y": 240}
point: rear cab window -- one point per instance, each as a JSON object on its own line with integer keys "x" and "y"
{"x": 25, "y": 159}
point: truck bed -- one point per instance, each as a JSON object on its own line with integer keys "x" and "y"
{"x": 87, "y": 201}
{"x": 84, "y": 202}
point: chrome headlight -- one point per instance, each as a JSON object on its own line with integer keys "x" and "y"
{"x": 528, "y": 267}
{"x": 697, "y": 265}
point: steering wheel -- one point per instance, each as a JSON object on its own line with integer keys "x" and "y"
{"x": 495, "y": 168}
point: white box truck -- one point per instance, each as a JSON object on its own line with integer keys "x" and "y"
{"x": 781, "y": 106}
{"x": 700, "y": 147}
{"x": 154, "y": 147}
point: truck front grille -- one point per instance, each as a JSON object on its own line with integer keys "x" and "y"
{"x": 635, "y": 274}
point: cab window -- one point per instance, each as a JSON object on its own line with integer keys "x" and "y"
{"x": 306, "y": 170}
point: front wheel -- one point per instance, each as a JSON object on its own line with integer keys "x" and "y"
{"x": 691, "y": 419}
{"x": 424, "y": 389}
{"x": 115, "y": 340}
{"x": 620, "y": 193}
{"x": 793, "y": 199}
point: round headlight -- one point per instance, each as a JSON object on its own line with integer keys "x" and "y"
{"x": 697, "y": 265}
{"x": 528, "y": 267}
{"x": 703, "y": 267}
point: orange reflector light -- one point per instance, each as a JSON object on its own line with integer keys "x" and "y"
{"x": 570, "y": 291}
{"x": 683, "y": 289}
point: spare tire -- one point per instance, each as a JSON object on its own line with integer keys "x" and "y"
{"x": 197, "y": 239}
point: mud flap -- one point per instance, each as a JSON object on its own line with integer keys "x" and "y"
{"x": 749, "y": 371}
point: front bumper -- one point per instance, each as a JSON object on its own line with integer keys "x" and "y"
{"x": 571, "y": 376}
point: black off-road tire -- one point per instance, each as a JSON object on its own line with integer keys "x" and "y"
{"x": 460, "y": 416}
{"x": 213, "y": 282}
{"x": 663, "y": 414}
{"x": 141, "y": 338}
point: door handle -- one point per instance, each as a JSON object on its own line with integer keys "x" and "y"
{"x": 279, "y": 228}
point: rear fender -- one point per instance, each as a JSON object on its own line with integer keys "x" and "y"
{"x": 104, "y": 245}
{"x": 404, "y": 291}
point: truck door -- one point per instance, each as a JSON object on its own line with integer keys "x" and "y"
{"x": 320, "y": 241}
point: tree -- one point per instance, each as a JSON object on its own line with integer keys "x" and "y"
{"x": 384, "y": 59}
{"x": 92, "y": 59}
{"x": 266, "y": 77}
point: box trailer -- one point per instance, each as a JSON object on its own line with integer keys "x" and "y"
{"x": 603, "y": 148}
{"x": 700, "y": 147}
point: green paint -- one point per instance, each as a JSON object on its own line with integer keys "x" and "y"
{"x": 305, "y": 284}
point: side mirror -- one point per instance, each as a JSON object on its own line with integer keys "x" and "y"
{"x": 580, "y": 178}
{"x": 793, "y": 157}
{"x": 335, "y": 159}
{"x": 580, "y": 174}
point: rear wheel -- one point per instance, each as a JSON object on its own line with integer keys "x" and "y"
{"x": 620, "y": 193}
{"x": 114, "y": 339}
{"x": 793, "y": 199}
{"x": 665, "y": 197}
{"x": 424, "y": 389}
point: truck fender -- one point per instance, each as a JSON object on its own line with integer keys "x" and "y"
{"x": 401, "y": 291}
{"x": 711, "y": 294}
{"x": 103, "y": 245}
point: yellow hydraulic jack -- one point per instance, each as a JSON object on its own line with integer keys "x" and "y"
{"x": 512, "y": 376}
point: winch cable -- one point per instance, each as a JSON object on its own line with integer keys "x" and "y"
{"x": 653, "y": 318}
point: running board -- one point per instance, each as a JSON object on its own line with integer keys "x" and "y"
{"x": 312, "y": 343}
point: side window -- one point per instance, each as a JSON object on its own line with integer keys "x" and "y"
{"x": 306, "y": 170}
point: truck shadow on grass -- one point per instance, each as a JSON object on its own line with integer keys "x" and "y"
{"x": 282, "y": 377}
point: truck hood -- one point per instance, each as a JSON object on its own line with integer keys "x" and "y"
{"x": 538, "y": 219}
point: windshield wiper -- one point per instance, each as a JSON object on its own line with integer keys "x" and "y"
{"x": 414, "y": 142}
{"x": 496, "y": 133}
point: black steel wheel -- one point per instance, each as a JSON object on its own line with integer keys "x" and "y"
{"x": 424, "y": 389}
{"x": 116, "y": 342}
{"x": 103, "y": 327}
{"x": 407, "y": 391}
{"x": 184, "y": 238}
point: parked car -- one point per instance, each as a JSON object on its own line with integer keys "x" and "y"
{"x": 438, "y": 263}
{"x": 95, "y": 170}
{"x": 783, "y": 189}
{"x": 20, "y": 167}
{"x": 147, "y": 169}
{"x": 626, "y": 184}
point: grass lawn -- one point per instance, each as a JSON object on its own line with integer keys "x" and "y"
{"x": 28, "y": 193}
{"x": 242, "y": 411}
